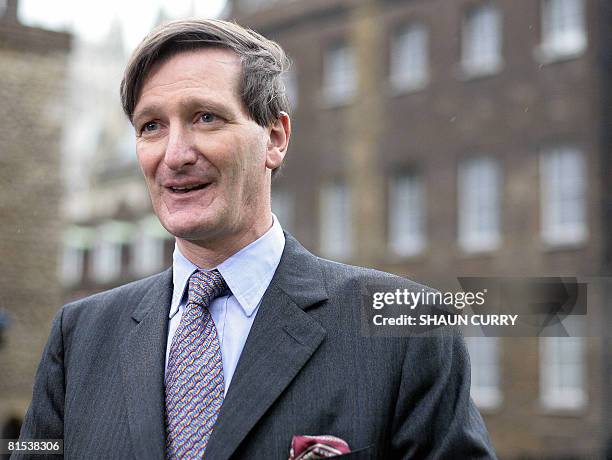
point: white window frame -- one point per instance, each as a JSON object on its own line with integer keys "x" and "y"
{"x": 106, "y": 264}
{"x": 563, "y": 35}
{"x": 563, "y": 187}
{"x": 73, "y": 262}
{"x": 485, "y": 353}
{"x": 77, "y": 240}
{"x": 409, "y": 66}
{"x": 148, "y": 249}
{"x": 339, "y": 74}
{"x": 479, "y": 206}
{"x": 562, "y": 358}
{"x": 107, "y": 252}
{"x": 406, "y": 217}
{"x": 482, "y": 40}
{"x": 335, "y": 235}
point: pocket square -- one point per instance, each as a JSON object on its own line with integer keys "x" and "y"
{"x": 313, "y": 447}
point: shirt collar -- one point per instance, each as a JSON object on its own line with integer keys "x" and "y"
{"x": 247, "y": 273}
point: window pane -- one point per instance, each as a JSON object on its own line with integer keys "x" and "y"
{"x": 563, "y": 368}
{"x": 479, "y": 205}
{"x": 339, "y": 78}
{"x": 148, "y": 252}
{"x": 563, "y": 191}
{"x": 110, "y": 239}
{"x": 563, "y": 27}
{"x": 409, "y": 57}
{"x": 482, "y": 40}
{"x": 406, "y": 215}
{"x": 72, "y": 265}
{"x": 335, "y": 236}
{"x": 484, "y": 359}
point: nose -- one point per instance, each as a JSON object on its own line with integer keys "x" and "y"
{"x": 180, "y": 150}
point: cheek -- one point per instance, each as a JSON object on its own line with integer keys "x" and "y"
{"x": 236, "y": 159}
{"x": 147, "y": 161}
{"x": 254, "y": 157}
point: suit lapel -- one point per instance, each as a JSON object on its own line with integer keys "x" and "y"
{"x": 281, "y": 341}
{"x": 142, "y": 365}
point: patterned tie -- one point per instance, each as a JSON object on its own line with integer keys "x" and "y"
{"x": 194, "y": 379}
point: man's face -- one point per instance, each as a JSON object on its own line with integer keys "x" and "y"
{"x": 207, "y": 164}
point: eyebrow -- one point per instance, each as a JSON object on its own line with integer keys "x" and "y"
{"x": 188, "y": 105}
{"x": 145, "y": 112}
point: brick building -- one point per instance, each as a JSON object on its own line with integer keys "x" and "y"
{"x": 33, "y": 64}
{"x": 439, "y": 138}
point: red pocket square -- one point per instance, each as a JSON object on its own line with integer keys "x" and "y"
{"x": 314, "y": 447}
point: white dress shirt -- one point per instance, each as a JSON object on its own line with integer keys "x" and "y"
{"x": 248, "y": 274}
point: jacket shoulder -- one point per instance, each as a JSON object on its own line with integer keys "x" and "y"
{"x": 336, "y": 273}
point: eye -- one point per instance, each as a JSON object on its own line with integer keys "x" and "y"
{"x": 207, "y": 117}
{"x": 150, "y": 126}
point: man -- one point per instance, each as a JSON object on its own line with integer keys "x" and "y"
{"x": 249, "y": 342}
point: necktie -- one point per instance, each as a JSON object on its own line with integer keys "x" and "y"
{"x": 194, "y": 378}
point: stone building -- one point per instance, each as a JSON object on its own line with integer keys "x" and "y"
{"x": 33, "y": 65}
{"x": 111, "y": 235}
{"x": 440, "y": 138}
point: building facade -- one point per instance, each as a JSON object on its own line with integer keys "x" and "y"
{"x": 111, "y": 236}
{"x": 438, "y": 139}
{"x": 33, "y": 67}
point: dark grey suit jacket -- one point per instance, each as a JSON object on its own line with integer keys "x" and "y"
{"x": 305, "y": 369}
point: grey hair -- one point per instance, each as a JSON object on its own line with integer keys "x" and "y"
{"x": 261, "y": 86}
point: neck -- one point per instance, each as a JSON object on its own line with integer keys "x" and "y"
{"x": 210, "y": 253}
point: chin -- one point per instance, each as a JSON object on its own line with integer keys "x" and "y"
{"x": 201, "y": 230}
{"x": 192, "y": 232}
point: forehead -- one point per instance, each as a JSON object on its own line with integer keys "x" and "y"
{"x": 213, "y": 70}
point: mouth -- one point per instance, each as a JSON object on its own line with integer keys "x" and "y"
{"x": 184, "y": 189}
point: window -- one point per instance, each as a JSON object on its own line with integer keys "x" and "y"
{"x": 77, "y": 240}
{"x": 282, "y": 207}
{"x": 335, "y": 232}
{"x": 563, "y": 188}
{"x": 479, "y": 205}
{"x": 563, "y": 28}
{"x": 110, "y": 239}
{"x": 409, "y": 58}
{"x": 562, "y": 367}
{"x": 339, "y": 79}
{"x": 484, "y": 358}
{"x": 106, "y": 260}
{"x": 148, "y": 247}
{"x": 72, "y": 264}
{"x": 406, "y": 215}
{"x": 482, "y": 41}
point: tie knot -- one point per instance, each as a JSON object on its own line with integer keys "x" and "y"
{"x": 206, "y": 286}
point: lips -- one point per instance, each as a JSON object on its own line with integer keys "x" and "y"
{"x": 187, "y": 187}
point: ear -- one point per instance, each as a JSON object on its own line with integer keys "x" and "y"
{"x": 279, "y": 133}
